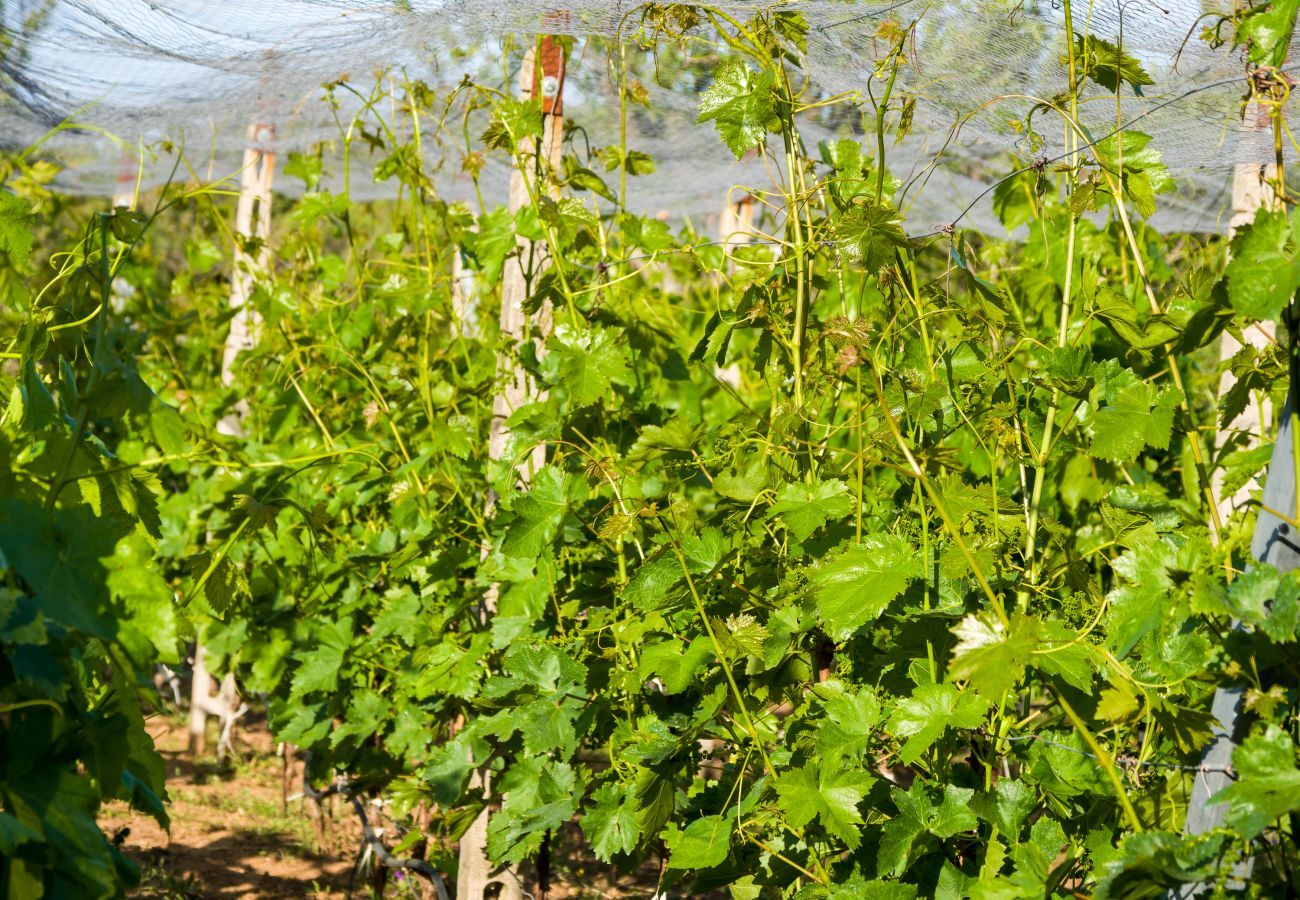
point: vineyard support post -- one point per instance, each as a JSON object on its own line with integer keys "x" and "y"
{"x": 1272, "y": 541}
{"x": 252, "y": 230}
{"x": 542, "y": 74}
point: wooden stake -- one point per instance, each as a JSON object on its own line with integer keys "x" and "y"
{"x": 542, "y": 74}
{"x": 252, "y": 226}
{"x": 1252, "y": 188}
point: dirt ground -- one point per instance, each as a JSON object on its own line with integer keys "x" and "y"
{"x": 233, "y": 835}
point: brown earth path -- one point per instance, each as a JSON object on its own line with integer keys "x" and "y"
{"x": 231, "y": 835}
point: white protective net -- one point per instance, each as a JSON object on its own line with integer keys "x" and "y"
{"x": 197, "y": 73}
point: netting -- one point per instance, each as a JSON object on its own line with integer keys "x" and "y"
{"x": 194, "y": 74}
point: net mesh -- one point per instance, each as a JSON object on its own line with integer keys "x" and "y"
{"x": 188, "y": 77}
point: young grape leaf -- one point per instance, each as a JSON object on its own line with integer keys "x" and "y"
{"x": 739, "y": 103}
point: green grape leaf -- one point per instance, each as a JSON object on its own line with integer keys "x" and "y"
{"x": 583, "y": 365}
{"x": 319, "y": 669}
{"x": 1007, "y": 806}
{"x": 13, "y": 833}
{"x": 1263, "y": 272}
{"x": 1268, "y": 785}
{"x": 856, "y": 586}
{"x": 15, "y": 228}
{"x": 512, "y": 122}
{"x": 870, "y": 234}
{"x": 803, "y": 508}
{"x": 929, "y": 712}
{"x": 587, "y": 180}
{"x": 1149, "y": 863}
{"x": 1108, "y": 65}
{"x": 993, "y": 656}
{"x": 675, "y": 664}
{"x": 540, "y": 796}
{"x": 1015, "y": 199}
{"x": 652, "y": 586}
{"x": 827, "y": 792}
{"x": 851, "y": 720}
{"x": 917, "y": 817}
{"x": 702, "y": 844}
{"x": 739, "y": 103}
{"x": 1266, "y": 31}
{"x": 1141, "y": 416}
{"x": 1140, "y": 168}
{"x": 610, "y": 824}
{"x": 492, "y": 242}
{"x": 537, "y": 515}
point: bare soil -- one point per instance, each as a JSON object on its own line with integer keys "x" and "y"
{"x": 232, "y": 834}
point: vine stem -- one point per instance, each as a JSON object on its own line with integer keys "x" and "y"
{"x": 27, "y": 704}
{"x": 722, "y": 657}
{"x": 101, "y": 329}
{"x": 799, "y": 250}
{"x": 1049, "y": 421}
{"x": 994, "y": 600}
{"x": 1103, "y": 757}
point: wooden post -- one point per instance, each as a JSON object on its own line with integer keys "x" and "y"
{"x": 542, "y": 74}
{"x": 735, "y": 229}
{"x": 1251, "y": 189}
{"x": 123, "y": 198}
{"x": 464, "y": 299}
{"x": 252, "y": 226}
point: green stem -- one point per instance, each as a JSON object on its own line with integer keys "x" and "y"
{"x": 1104, "y": 758}
{"x": 737, "y": 696}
